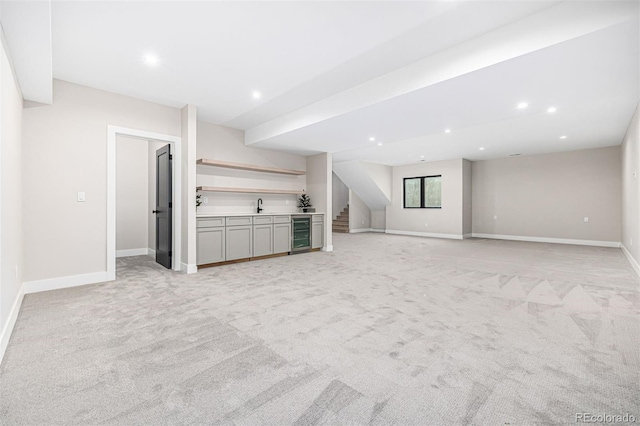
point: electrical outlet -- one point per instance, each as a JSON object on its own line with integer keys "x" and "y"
{"x": 426, "y": 225}
{"x": 586, "y": 219}
{"x": 205, "y": 200}
{"x": 495, "y": 217}
{"x": 81, "y": 197}
{"x": 362, "y": 222}
{"x": 635, "y": 174}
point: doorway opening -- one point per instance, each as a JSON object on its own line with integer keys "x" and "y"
{"x": 144, "y": 197}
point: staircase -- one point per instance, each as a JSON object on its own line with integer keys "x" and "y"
{"x": 341, "y": 224}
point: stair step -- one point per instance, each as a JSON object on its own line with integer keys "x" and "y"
{"x": 341, "y": 223}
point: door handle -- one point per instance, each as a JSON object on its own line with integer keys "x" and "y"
{"x": 155, "y": 211}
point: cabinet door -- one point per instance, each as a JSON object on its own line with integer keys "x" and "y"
{"x": 282, "y": 237}
{"x": 262, "y": 240}
{"x": 210, "y": 245}
{"x": 317, "y": 235}
{"x": 239, "y": 242}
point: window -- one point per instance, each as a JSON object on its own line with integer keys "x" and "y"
{"x": 423, "y": 192}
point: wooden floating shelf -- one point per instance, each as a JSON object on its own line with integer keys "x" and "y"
{"x": 250, "y": 167}
{"x": 248, "y": 190}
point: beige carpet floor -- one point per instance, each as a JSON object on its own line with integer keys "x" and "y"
{"x": 384, "y": 330}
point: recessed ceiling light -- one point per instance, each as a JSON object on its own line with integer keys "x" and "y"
{"x": 422, "y": 156}
{"x": 151, "y": 60}
{"x": 551, "y": 110}
{"x": 372, "y": 139}
{"x": 563, "y": 137}
{"x": 481, "y": 148}
{"x": 522, "y": 105}
{"x": 447, "y": 130}
{"x": 256, "y": 95}
{"x": 379, "y": 143}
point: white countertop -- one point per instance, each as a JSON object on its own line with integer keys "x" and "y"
{"x": 251, "y": 214}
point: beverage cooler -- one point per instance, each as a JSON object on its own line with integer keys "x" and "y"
{"x": 301, "y": 233}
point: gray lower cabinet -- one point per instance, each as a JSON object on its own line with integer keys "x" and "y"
{"x": 262, "y": 240}
{"x": 282, "y": 237}
{"x": 317, "y": 235}
{"x": 210, "y": 245}
{"x": 239, "y": 242}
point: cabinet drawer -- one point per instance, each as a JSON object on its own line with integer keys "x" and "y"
{"x": 317, "y": 218}
{"x": 281, "y": 219}
{"x": 238, "y": 220}
{"x": 208, "y": 222}
{"x": 262, "y": 220}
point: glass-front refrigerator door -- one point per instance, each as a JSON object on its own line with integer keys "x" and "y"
{"x": 301, "y": 233}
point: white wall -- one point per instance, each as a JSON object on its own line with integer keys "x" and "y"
{"x": 66, "y": 144}
{"x": 467, "y": 198}
{"x": 132, "y": 193}
{"x": 135, "y": 195}
{"x": 359, "y": 214}
{"x": 340, "y": 194}
{"x": 189, "y": 134}
{"x": 631, "y": 189}
{"x": 319, "y": 187}
{"x": 446, "y": 221}
{"x": 226, "y": 144}
{"x": 548, "y": 196}
{"x": 378, "y": 220}
{"x": 381, "y": 175}
{"x": 372, "y": 182}
{"x": 11, "y": 199}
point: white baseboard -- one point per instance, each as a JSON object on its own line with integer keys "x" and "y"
{"x": 327, "y": 248}
{"x": 132, "y": 252}
{"x": 64, "y": 282}
{"x": 357, "y": 231}
{"x": 189, "y": 269}
{"x": 424, "y": 234}
{"x": 151, "y": 253}
{"x": 377, "y": 230}
{"x": 465, "y": 236}
{"x": 632, "y": 261}
{"x": 11, "y": 322}
{"x": 549, "y": 240}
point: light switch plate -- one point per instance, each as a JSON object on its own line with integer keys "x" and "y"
{"x": 586, "y": 219}
{"x": 81, "y": 197}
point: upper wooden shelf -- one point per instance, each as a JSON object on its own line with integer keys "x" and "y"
{"x": 248, "y": 190}
{"x": 240, "y": 166}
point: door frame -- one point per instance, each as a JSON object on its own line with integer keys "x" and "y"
{"x": 176, "y": 177}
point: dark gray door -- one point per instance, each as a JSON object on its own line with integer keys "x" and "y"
{"x": 163, "y": 206}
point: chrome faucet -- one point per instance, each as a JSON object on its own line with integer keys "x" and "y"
{"x": 259, "y": 204}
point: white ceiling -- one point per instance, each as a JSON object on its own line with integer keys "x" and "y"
{"x": 333, "y": 74}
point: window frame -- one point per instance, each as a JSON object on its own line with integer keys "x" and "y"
{"x": 422, "y": 197}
